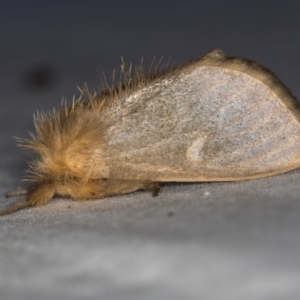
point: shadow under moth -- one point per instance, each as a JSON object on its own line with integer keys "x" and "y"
{"x": 217, "y": 118}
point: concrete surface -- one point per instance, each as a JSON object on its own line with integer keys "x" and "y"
{"x": 194, "y": 241}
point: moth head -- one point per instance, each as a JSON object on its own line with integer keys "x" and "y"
{"x": 54, "y": 160}
{"x": 67, "y": 144}
{"x": 63, "y": 171}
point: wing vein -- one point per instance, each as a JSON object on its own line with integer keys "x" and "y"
{"x": 234, "y": 95}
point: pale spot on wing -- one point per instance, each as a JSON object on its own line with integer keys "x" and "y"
{"x": 195, "y": 151}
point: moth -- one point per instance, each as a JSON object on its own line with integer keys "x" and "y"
{"x": 217, "y": 118}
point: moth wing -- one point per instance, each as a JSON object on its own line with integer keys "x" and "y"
{"x": 218, "y": 118}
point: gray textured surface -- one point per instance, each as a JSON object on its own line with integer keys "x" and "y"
{"x": 194, "y": 241}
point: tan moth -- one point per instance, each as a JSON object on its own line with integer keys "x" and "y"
{"x": 217, "y": 118}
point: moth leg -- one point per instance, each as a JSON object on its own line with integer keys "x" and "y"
{"x": 120, "y": 186}
{"x": 155, "y": 189}
{"x": 38, "y": 195}
{"x": 18, "y": 192}
{"x": 15, "y": 207}
{"x": 18, "y": 205}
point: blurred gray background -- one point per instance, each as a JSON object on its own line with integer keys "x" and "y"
{"x": 193, "y": 241}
